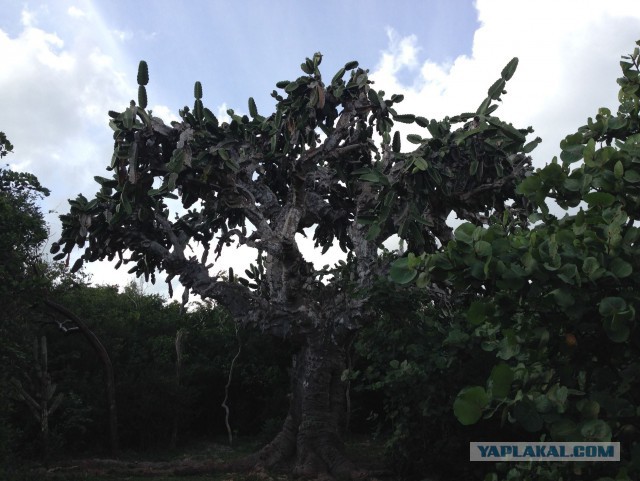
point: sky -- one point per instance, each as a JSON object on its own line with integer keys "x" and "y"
{"x": 66, "y": 63}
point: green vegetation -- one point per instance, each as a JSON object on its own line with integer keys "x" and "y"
{"x": 548, "y": 313}
{"x": 517, "y": 325}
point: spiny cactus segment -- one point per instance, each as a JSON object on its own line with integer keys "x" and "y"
{"x": 143, "y": 79}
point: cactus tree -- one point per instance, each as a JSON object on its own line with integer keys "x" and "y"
{"x": 324, "y": 161}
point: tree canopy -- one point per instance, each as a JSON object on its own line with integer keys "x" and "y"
{"x": 23, "y": 234}
{"x": 550, "y": 301}
{"x": 328, "y": 159}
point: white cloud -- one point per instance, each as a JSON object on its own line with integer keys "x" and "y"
{"x": 53, "y": 98}
{"x": 402, "y": 52}
{"x": 165, "y": 113}
{"x": 56, "y": 89}
{"x": 122, "y": 35}
{"x": 222, "y": 114}
{"x": 569, "y": 53}
{"x": 76, "y": 12}
{"x": 27, "y": 18}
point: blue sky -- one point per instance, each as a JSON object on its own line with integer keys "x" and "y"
{"x": 240, "y": 49}
{"x": 65, "y": 63}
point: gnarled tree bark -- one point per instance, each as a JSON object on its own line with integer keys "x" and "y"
{"x": 311, "y": 438}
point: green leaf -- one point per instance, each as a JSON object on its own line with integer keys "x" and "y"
{"x": 563, "y": 297}
{"x": 620, "y": 268}
{"x": 253, "y": 110}
{"x": 596, "y": 430}
{"x": 508, "y": 129}
{"x": 440, "y": 261}
{"x": 618, "y": 170}
{"x": 573, "y": 149}
{"x": 478, "y": 311}
{"x": 351, "y": 65}
{"x": 531, "y": 145}
{"x": 291, "y": 86}
{"x": 530, "y": 185}
{"x": 373, "y": 97}
{"x": 405, "y": 118}
{"x": 373, "y": 231}
{"x": 563, "y": 430}
{"x": 590, "y": 265}
{"x": 464, "y": 233}
{"x": 484, "y": 106}
{"x": 510, "y": 346}
{"x": 501, "y": 379}
{"x": 232, "y": 164}
{"x": 610, "y": 306}
{"x": 103, "y": 181}
{"x": 589, "y": 409}
{"x": 496, "y": 89}
{"x": 483, "y": 248}
{"x": 223, "y": 154}
{"x": 77, "y": 265}
{"x": 338, "y": 76}
{"x": 599, "y": 199}
{"x": 142, "y": 96}
{"x": 469, "y": 405}
{"x": 509, "y": 69}
{"x": 143, "y": 73}
{"x": 420, "y": 163}
{"x": 422, "y": 122}
{"x": 617, "y": 328}
{"x": 456, "y": 337}
{"x": 400, "y": 271}
{"x": 396, "y": 144}
{"x": 197, "y": 90}
{"x": 527, "y": 415}
{"x": 128, "y": 117}
{"x": 632, "y": 176}
{"x": 370, "y": 177}
{"x": 568, "y": 273}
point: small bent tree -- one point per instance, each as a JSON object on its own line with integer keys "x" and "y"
{"x": 328, "y": 160}
{"x": 43, "y": 400}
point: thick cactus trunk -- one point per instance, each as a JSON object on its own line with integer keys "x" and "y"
{"x": 310, "y": 442}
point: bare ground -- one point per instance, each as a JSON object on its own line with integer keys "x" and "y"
{"x": 208, "y": 461}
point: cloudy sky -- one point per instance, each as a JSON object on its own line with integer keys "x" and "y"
{"x": 66, "y": 63}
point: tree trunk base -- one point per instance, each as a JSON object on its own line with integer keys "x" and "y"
{"x": 309, "y": 446}
{"x": 317, "y": 456}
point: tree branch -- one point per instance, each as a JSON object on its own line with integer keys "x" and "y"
{"x": 226, "y": 387}
{"x": 514, "y": 176}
